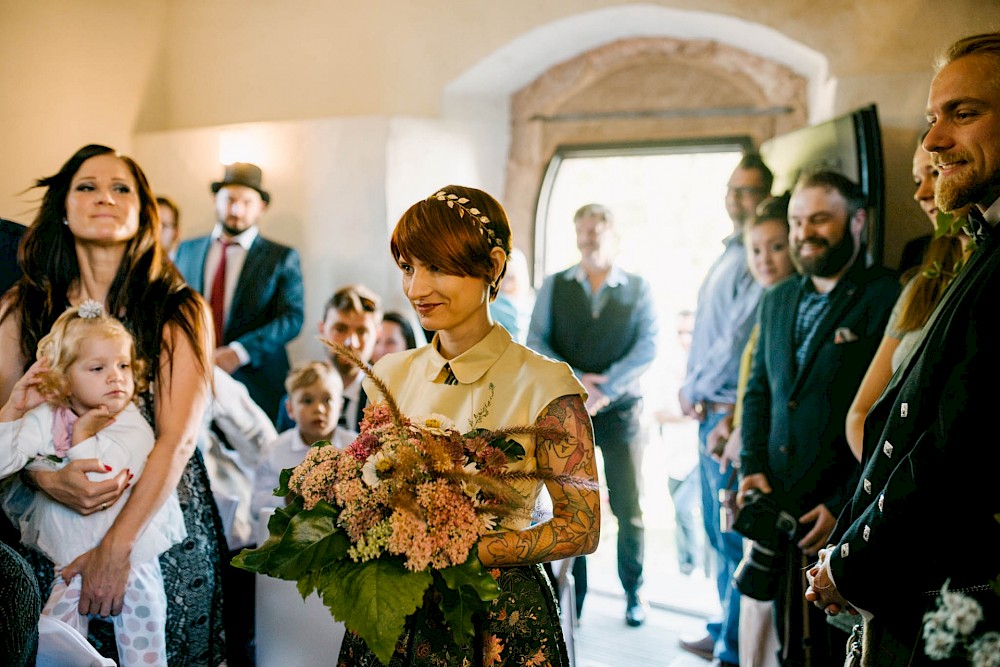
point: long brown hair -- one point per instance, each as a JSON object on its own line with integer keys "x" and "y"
{"x": 147, "y": 293}
{"x": 942, "y": 260}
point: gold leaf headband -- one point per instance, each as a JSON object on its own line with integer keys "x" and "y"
{"x": 459, "y": 204}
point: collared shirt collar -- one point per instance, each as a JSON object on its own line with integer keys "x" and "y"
{"x": 734, "y": 238}
{"x": 992, "y": 214}
{"x": 616, "y": 276}
{"x": 297, "y": 444}
{"x": 244, "y": 239}
{"x": 472, "y": 364}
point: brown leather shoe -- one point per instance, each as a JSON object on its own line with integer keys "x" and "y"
{"x": 703, "y": 648}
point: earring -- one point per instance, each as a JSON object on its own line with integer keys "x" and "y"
{"x": 66, "y": 222}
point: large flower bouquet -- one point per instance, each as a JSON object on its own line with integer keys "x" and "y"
{"x": 372, "y": 527}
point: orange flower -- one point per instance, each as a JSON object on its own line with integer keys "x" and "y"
{"x": 537, "y": 660}
{"x": 492, "y": 648}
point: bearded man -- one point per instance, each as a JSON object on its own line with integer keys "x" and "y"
{"x": 818, "y": 335}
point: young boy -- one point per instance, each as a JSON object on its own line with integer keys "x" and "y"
{"x": 315, "y": 393}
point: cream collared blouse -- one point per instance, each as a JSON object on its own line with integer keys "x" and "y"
{"x": 500, "y": 383}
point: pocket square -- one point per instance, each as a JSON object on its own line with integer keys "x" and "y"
{"x": 844, "y": 335}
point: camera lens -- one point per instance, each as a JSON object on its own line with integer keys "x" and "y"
{"x": 759, "y": 572}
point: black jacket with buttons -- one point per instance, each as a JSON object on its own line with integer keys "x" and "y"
{"x": 925, "y": 510}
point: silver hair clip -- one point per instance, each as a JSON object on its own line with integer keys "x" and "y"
{"x": 90, "y": 309}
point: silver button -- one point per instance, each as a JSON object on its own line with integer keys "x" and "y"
{"x": 867, "y": 532}
{"x": 887, "y": 448}
{"x": 868, "y": 486}
{"x": 881, "y": 501}
{"x": 845, "y": 550}
{"x": 904, "y": 409}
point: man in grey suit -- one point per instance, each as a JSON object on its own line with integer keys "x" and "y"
{"x": 253, "y": 285}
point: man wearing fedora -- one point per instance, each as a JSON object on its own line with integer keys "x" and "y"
{"x": 253, "y": 285}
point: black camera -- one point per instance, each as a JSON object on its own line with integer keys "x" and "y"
{"x": 770, "y": 528}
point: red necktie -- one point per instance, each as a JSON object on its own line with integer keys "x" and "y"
{"x": 217, "y": 298}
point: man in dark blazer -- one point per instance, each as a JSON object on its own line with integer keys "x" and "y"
{"x": 925, "y": 509}
{"x": 818, "y": 334}
{"x": 253, "y": 285}
{"x": 10, "y": 237}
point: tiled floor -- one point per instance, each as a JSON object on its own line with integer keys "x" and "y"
{"x": 603, "y": 640}
{"x": 679, "y": 604}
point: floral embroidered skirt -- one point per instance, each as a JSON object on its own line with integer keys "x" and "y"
{"x": 522, "y": 628}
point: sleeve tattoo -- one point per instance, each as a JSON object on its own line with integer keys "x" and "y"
{"x": 574, "y": 528}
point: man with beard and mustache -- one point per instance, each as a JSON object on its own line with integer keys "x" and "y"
{"x": 925, "y": 452}
{"x": 818, "y": 334}
{"x": 353, "y": 318}
{"x": 253, "y": 285}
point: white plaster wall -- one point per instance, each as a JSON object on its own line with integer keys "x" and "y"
{"x": 407, "y": 95}
{"x": 327, "y": 183}
{"x": 521, "y": 60}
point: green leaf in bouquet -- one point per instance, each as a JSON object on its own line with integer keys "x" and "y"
{"x": 466, "y": 589}
{"x": 283, "y": 478}
{"x": 373, "y": 599}
{"x": 510, "y": 447}
{"x": 256, "y": 560}
{"x": 471, "y": 573}
{"x": 458, "y": 608}
{"x": 300, "y": 541}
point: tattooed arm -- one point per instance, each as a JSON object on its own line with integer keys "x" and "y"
{"x": 575, "y": 526}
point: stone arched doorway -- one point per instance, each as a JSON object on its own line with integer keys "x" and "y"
{"x": 644, "y": 90}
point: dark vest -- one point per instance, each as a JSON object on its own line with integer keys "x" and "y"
{"x": 585, "y": 343}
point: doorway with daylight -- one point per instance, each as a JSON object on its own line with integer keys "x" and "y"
{"x": 670, "y": 220}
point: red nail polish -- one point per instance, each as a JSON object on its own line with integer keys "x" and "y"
{"x": 108, "y": 468}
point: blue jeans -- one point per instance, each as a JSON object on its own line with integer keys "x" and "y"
{"x": 686, "y": 496}
{"x": 726, "y": 547}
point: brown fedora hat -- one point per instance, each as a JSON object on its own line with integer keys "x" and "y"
{"x": 243, "y": 173}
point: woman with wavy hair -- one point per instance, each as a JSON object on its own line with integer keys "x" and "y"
{"x": 96, "y": 237}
